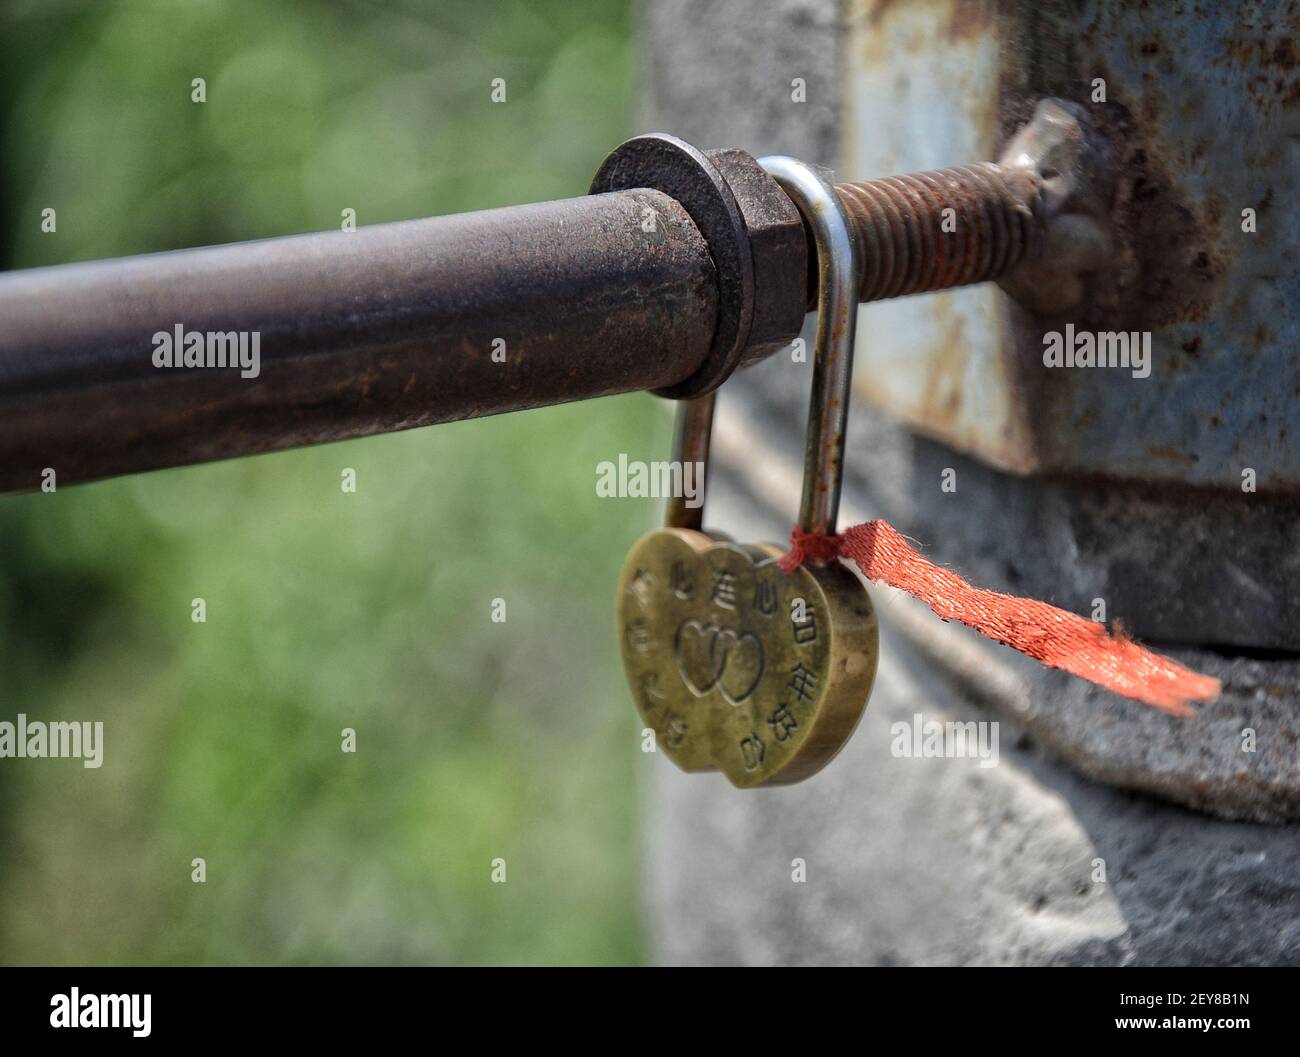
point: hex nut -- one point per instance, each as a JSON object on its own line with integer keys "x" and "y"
{"x": 755, "y": 237}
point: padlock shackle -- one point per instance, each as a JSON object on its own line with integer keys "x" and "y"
{"x": 837, "y": 314}
{"x": 692, "y": 433}
{"x": 838, "y": 261}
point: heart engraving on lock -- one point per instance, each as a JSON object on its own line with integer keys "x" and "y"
{"x": 734, "y": 664}
{"x": 710, "y": 656}
{"x": 748, "y": 671}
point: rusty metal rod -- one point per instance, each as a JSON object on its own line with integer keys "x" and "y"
{"x": 385, "y": 328}
{"x": 428, "y": 321}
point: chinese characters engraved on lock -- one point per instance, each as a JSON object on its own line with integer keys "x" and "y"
{"x": 735, "y": 665}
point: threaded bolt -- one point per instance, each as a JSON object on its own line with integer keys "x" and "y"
{"x": 910, "y": 244}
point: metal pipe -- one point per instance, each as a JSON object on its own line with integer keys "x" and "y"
{"x": 685, "y": 266}
{"x": 385, "y": 328}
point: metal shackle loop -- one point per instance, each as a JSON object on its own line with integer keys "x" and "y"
{"x": 838, "y": 258}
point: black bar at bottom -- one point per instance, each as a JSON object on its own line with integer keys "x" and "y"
{"x": 1049, "y": 1009}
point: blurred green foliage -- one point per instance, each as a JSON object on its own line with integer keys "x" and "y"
{"x": 325, "y": 610}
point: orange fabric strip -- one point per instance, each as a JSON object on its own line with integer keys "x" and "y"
{"x": 1052, "y": 636}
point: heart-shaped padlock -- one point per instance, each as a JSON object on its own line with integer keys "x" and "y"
{"x": 734, "y": 664}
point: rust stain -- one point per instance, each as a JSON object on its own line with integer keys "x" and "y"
{"x": 1172, "y": 454}
{"x": 942, "y": 395}
{"x": 970, "y": 18}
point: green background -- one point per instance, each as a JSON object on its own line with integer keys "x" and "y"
{"x": 325, "y": 610}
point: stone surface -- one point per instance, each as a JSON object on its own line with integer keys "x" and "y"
{"x": 718, "y": 73}
{"x": 941, "y": 861}
{"x": 1021, "y": 535}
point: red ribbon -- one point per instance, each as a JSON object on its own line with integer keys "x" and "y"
{"x": 1051, "y": 636}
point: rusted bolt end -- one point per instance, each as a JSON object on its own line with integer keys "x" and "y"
{"x": 940, "y": 229}
{"x": 1061, "y": 152}
{"x": 1027, "y": 220}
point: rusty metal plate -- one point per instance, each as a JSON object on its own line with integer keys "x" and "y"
{"x": 1202, "y": 117}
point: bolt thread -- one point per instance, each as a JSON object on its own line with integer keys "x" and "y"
{"x": 909, "y": 245}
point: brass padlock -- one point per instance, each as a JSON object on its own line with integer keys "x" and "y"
{"x": 734, "y": 664}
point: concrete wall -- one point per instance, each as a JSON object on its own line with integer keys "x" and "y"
{"x": 1105, "y": 833}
